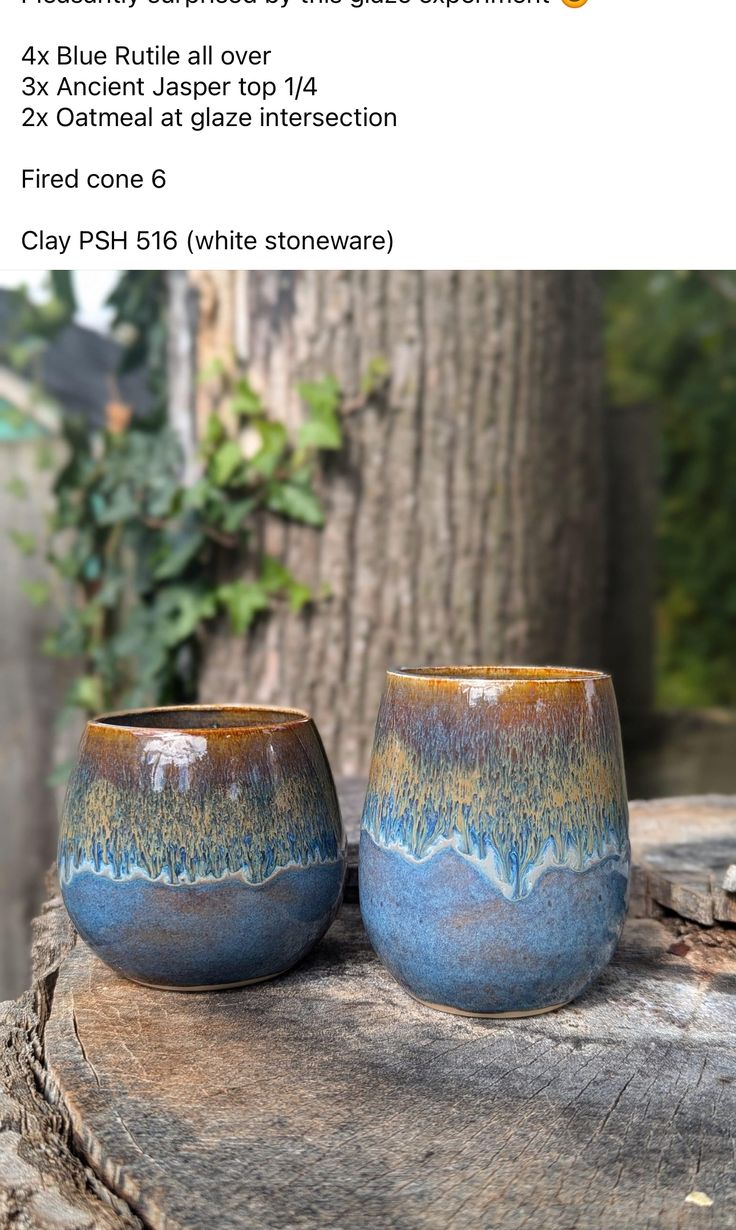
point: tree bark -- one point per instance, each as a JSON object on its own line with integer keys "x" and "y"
{"x": 632, "y": 463}
{"x": 466, "y": 510}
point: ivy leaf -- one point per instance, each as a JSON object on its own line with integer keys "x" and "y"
{"x": 89, "y": 615}
{"x": 246, "y": 403}
{"x": 225, "y": 462}
{"x": 299, "y": 596}
{"x": 214, "y": 432}
{"x": 377, "y": 375}
{"x": 276, "y": 578}
{"x": 88, "y": 693}
{"x": 274, "y": 575}
{"x": 215, "y": 370}
{"x": 320, "y": 434}
{"x": 181, "y": 549}
{"x": 110, "y": 591}
{"x": 323, "y": 429}
{"x": 295, "y": 502}
{"x": 180, "y": 611}
{"x": 91, "y": 568}
{"x": 197, "y": 496}
{"x": 67, "y": 640}
{"x": 322, "y": 397}
{"x": 274, "y": 440}
{"x": 17, "y": 487}
{"x": 26, "y": 543}
{"x": 44, "y": 455}
{"x": 121, "y": 505}
{"x": 36, "y": 592}
{"x": 242, "y": 600}
{"x": 235, "y": 513}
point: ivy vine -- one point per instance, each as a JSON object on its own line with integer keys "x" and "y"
{"x": 140, "y": 562}
{"x": 147, "y": 557}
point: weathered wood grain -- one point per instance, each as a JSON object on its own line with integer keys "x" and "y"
{"x": 683, "y": 849}
{"x": 328, "y": 1099}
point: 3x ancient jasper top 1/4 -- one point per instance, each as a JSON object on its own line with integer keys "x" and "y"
{"x": 518, "y": 770}
{"x": 215, "y": 799}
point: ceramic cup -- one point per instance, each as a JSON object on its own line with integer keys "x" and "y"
{"x": 201, "y": 846}
{"x": 494, "y": 852}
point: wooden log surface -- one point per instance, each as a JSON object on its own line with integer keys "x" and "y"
{"x": 329, "y": 1099}
{"x": 683, "y": 849}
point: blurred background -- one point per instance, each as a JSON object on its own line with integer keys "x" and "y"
{"x": 271, "y": 486}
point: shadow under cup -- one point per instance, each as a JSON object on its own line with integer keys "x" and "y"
{"x": 202, "y": 846}
{"x": 494, "y": 852}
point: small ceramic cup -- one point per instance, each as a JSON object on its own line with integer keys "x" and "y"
{"x": 202, "y": 846}
{"x": 494, "y": 853}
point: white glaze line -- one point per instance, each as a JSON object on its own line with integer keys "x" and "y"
{"x": 490, "y": 866}
{"x": 138, "y": 873}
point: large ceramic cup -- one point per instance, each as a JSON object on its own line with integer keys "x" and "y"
{"x": 494, "y": 853}
{"x": 201, "y": 846}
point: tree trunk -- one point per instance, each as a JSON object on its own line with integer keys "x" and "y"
{"x": 466, "y": 511}
{"x": 632, "y": 463}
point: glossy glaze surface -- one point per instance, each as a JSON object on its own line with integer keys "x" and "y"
{"x": 494, "y": 859}
{"x": 202, "y": 846}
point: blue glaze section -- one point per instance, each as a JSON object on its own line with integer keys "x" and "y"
{"x": 207, "y": 933}
{"x": 450, "y": 937}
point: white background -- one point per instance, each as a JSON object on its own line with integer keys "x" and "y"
{"x": 529, "y": 136}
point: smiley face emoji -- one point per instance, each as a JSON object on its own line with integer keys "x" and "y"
{"x": 574, "y": 4}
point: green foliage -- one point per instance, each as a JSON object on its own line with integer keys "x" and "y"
{"x": 145, "y": 555}
{"x": 36, "y": 324}
{"x": 26, "y": 543}
{"x": 17, "y": 487}
{"x": 322, "y": 428}
{"x": 37, "y": 592}
{"x": 671, "y": 341}
{"x": 146, "y": 558}
{"x": 376, "y": 377}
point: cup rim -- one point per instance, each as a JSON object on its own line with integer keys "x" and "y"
{"x": 484, "y": 676}
{"x": 283, "y": 718}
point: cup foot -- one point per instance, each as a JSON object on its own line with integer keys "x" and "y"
{"x": 495, "y": 1016}
{"x": 212, "y": 986}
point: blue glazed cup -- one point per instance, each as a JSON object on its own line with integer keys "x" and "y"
{"x": 201, "y": 846}
{"x": 494, "y": 852}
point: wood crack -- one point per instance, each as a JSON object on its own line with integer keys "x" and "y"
{"x": 90, "y": 1065}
